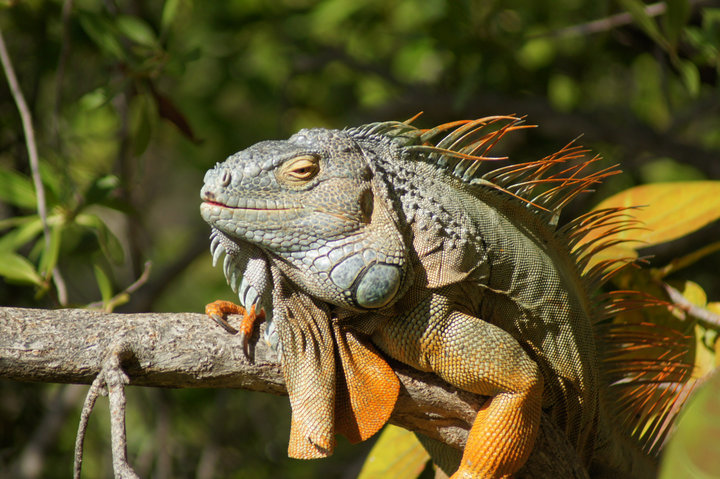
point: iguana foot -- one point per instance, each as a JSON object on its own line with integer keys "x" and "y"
{"x": 217, "y": 310}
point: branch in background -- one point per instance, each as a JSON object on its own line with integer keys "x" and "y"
{"x": 188, "y": 350}
{"x": 26, "y": 118}
{"x": 606, "y": 24}
{"x": 611, "y": 22}
{"x": 698, "y": 312}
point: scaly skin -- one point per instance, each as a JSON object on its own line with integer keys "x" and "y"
{"x": 371, "y": 236}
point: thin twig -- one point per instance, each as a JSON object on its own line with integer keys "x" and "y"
{"x": 121, "y": 297}
{"x": 111, "y": 381}
{"x": 611, "y": 22}
{"x": 681, "y": 302}
{"x": 26, "y": 118}
{"x": 96, "y": 389}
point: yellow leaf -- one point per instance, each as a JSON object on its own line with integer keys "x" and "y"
{"x": 704, "y": 356}
{"x": 397, "y": 454}
{"x": 669, "y": 210}
{"x": 694, "y": 293}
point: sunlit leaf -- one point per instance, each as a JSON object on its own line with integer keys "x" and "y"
{"x": 49, "y": 256}
{"x": 704, "y": 354}
{"x": 17, "y": 189}
{"x": 25, "y": 232}
{"x": 694, "y": 293}
{"x": 95, "y": 98}
{"x": 104, "y": 283}
{"x": 18, "y": 269}
{"x": 397, "y": 454}
{"x": 690, "y": 76}
{"x": 692, "y": 451}
{"x": 169, "y": 11}
{"x": 136, "y": 30}
{"x": 669, "y": 210}
{"x": 101, "y": 189}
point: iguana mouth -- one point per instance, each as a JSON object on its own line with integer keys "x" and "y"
{"x": 246, "y": 208}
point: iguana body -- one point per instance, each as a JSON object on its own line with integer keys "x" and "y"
{"x": 387, "y": 236}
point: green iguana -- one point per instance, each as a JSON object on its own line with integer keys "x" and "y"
{"x": 390, "y": 240}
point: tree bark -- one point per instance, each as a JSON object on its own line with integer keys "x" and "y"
{"x": 182, "y": 350}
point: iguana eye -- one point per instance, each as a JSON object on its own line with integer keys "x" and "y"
{"x": 299, "y": 170}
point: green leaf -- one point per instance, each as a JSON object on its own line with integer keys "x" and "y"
{"x": 669, "y": 210}
{"x": 636, "y": 9}
{"x": 17, "y": 189}
{"x": 104, "y": 283}
{"x": 49, "y": 256}
{"x": 16, "y": 268}
{"x": 536, "y": 53}
{"x": 94, "y": 99}
{"x": 102, "y": 32}
{"x": 690, "y": 77}
{"x": 136, "y": 30}
{"x": 109, "y": 243}
{"x": 563, "y": 92}
{"x": 692, "y": 451}
{"x": 101, "y": 189}
{"x": 397, "y": 454}
{"x": 25, "y": 232}
{"x": 169, "y": 12}
{"x": 674, "y": 20}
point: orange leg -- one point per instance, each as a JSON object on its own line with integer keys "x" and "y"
{"x": 484, "y": 359}
{"x": 217, "y": 310}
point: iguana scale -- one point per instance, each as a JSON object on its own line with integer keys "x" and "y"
{"x": 390, "y": 240}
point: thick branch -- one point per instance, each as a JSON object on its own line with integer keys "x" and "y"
{"x": 189, "y": 350}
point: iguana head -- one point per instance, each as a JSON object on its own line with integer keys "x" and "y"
{"x": 310, "y": 202}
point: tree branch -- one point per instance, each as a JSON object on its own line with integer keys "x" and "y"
{"x": 188, "y": 350}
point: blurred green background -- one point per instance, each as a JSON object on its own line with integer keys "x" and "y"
{"x": 133, "y": 101}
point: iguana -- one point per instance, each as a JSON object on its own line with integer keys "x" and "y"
{"x": 387, "y": 240}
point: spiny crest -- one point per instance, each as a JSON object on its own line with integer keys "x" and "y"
{"x": 464, "y": 147}
{"x": 648, "y": 374}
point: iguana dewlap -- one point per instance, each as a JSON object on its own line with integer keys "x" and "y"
{"x": 391, "y": 240}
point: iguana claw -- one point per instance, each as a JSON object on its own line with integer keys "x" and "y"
{"x": 217, "y": 310}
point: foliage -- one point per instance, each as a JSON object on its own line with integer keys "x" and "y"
{"x": 132, "y": 101}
